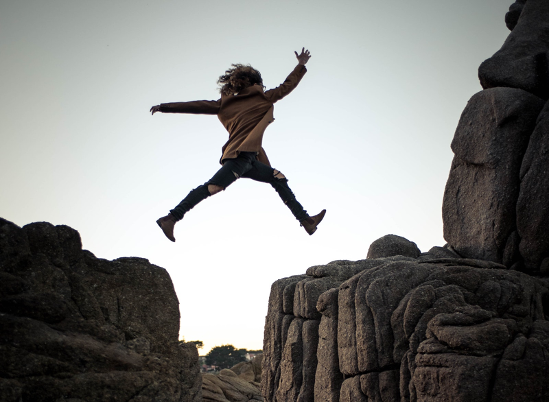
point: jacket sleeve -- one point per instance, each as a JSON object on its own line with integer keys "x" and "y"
{"x": 195, "y": 107}
{"x": 288, "y": 86}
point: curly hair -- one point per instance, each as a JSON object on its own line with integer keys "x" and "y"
{"x": 238, "y": 77}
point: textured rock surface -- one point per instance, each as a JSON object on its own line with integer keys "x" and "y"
{"x": 532, "y": 205}
{"x": 77, "y": 328}
{"x": 512, "y": 17}
{"x": 495, "y": 199}
{"x": 522, "y": 62}
{"x": 425, "y": 329}
{"x": 483, "y": 186}
{"x": 392, "y": 245}
{"x": 240, "y": 383}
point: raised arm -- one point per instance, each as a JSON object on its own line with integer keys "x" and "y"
{"x": 292, "y": 80}
{"x": 194, "y": 107}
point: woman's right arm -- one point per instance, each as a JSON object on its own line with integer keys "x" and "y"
{"x": 195, "y": 107}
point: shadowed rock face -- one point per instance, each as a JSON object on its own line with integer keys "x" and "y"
{"x": 512, "y": 17}
{"x": 480, "y": 199}
{"x": 75, "y": 327}
{"x": 399, "y": 328}
{"x": 495, "y": 202}
{"x": 522, "y": 62}
{"x": 532, "y": 205}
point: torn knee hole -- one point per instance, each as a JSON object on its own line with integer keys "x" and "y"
{"x": 235, "y": 174}
{"x": 278, "y": 174}
{"x": 214, "y": 189}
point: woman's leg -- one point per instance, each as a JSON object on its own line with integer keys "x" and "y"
{"x": 231, "y": 170}
{"x": 266, "y": 174}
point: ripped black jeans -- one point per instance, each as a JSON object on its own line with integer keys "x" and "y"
{"x": 246, "y": 165}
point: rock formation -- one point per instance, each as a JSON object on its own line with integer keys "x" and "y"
{"x": 495, "y": 202}
{"x": 77, "y": 328}
{"x": 436, "y": 327}
{"x": 464, "y": 322}
{"x": 240, "y": 383}
{"x": 393, "y": 245}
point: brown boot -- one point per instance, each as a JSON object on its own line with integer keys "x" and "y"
{"x": 312, "y": 222}
{"x": 167, "y": 224}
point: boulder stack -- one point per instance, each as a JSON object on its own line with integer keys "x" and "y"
{"x": 496, "y": 199}
{"x": 74, "y": 327}
{"x": 433, "y": 328}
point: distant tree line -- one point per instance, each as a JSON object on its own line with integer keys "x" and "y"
{"x": 226, "y": 356}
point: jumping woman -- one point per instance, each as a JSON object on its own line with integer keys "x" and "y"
{"x": 245, "y": 110}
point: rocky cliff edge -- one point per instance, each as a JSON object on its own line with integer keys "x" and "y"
{"x": 77, "y": 328}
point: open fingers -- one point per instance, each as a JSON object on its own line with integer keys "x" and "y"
{"x": 304, "y": 52}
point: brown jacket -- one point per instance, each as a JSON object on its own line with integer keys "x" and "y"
{"x": 245, "y": 115}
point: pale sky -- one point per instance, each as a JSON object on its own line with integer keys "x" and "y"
{"x": 366, "y": 134}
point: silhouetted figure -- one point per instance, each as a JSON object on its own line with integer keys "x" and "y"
{"x": 245, "y": 110}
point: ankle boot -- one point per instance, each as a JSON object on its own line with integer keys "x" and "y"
{"x": 312, "y": 222}
{"x": 167, "y": 224}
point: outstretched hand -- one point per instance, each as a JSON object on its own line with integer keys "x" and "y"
{"x": 155, "y": 109}
{"x": 304, "y": 57}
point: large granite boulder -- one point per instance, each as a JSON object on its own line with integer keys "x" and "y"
{"x": 483, "y": 186}
{"x": 391, "y": 245}
{"x": 512, "y": 17}
{"x": 399, "y": 328}
{"x": 495, "y": 198}
{"x": 532, "y": 203}
{"x": 522, "y": 62}
{"x": 74, "y": 327}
